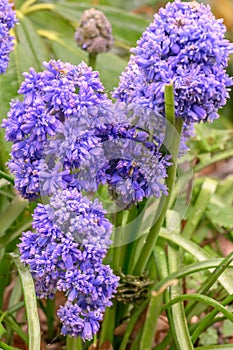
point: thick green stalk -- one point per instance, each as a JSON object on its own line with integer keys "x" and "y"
{"x": 108, "y": 325}
{"x": 152, "y": 315}
{"x": 92, "y": 57}
{"x": 172, "y": 141}
{"x": 132, "y": 321}
{"x": 73, "y": 343}
{"x": 50, "y": 307}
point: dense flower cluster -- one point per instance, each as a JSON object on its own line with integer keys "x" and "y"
{"x": 51, "y": 97}
{"x": 7, "y": 21}
{"x": 65, "y": 253}
{"x": 135, "y": 168}
{"x": 185, "y": 45}
{"x": 67, "y": 133}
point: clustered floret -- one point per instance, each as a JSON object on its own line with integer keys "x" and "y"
{"x": 184, "y": 45}
{"x": 65, "y": 252}
{"x": 7, "y": 21}
{"x": 51, "y": 97}
{"x": 66, "y": 133}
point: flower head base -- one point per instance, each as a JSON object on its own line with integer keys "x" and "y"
{"x": 94, "y": 33}
{"x": 185, "y": 45}
{"x": 7, "y": 21}
{"x": 65, "y": 253}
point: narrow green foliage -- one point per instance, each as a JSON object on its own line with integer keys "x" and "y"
{"x": 207, "y": 190}
{"x": 11, "y": 213}
{"x": 202, "y": 298}
{"x": 30, "y": 304}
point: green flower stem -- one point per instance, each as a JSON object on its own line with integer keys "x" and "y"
{"x": 7, "y": 177}
{"x": 132, "y": 321}
{"x": 135, "y": 223}
{"x": 50, "y": 307}
{"x": 92, "y": 57}
{"x": 108, "y": 325}
{"x": 73, "y": 343}
{"x": 171, "y": 143}
{"x": 152, "y": 315}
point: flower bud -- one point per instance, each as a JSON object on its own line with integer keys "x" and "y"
{"x": 94, "y": 33}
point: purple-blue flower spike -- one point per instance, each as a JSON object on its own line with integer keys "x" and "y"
{"x": 50, "y": 98}
{"x": 7, "y": 22}
{"x": 65, "y": 252}
{"x": 184, "y": 45}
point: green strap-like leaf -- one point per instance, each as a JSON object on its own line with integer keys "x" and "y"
{"x": 202, "y": 298}
{"x": 200, "y": 254}
{"x": 11, "y": 213}
{"x": 30, "y": 303}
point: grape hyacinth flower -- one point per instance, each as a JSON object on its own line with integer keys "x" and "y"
{"x": 65, "y": 252}
{"x": 7, "y": 22}
{"x": 51, "y": 98}
{"x": 66, "y": 133}
{"x": 184, "y": 45}
{"x": 135, "y": 168}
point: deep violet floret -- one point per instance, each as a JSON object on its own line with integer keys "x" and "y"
{"x": 7, "y": 22}
{"x": 184, "y": 45}
{"x": 65, "y": 252}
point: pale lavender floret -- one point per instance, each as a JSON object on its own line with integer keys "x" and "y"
{"x": 7, "y": 21}
{"x": 185, "y": 45}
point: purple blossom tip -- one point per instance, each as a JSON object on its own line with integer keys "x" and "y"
{"x": 7, "y": 22}
{"x": 184, "y": 44}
